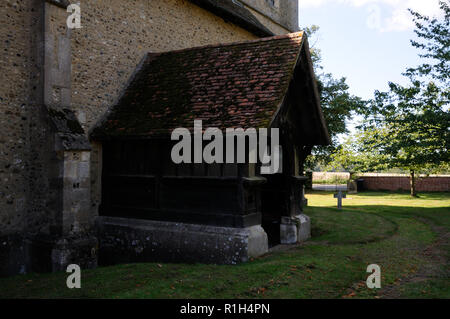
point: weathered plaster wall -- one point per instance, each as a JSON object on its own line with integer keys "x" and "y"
{"x": 25, "y": 140}
{"x": 33, "y": 68}
{"x": 16, "y": 60}
{"x": 269, "y": 23}
{"x": 21, "y": 160}
{"x": 116, "y": 34}
{"x": 280, "y": 17}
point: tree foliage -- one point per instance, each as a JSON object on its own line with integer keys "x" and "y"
{"x": 338, "y": 106}
{"x": 408, "y": 126}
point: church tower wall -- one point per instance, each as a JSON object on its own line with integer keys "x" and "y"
{"x": 280, "y": 16}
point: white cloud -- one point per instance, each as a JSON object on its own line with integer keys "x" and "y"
{"x": 392, "y": 15}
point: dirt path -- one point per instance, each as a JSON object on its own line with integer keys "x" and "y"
{"x": 435, "y": 253}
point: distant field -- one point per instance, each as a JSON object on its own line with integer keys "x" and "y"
{"x": 330, "y": 178}
{"x": 331, "y": 182}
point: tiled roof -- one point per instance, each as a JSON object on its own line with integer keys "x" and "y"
{"x": 236, "y": 13}
{"x": 226, "y": 86}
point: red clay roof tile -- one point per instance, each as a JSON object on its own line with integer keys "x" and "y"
{"x": 228, "y": 85}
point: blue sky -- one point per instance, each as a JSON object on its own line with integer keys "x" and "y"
{"x": 366, "y": 41}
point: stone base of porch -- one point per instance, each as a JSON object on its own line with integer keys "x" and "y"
{"x": 295, "y": 229}
{"x": 123, "y": 240}
{"x": 44, "y": 253}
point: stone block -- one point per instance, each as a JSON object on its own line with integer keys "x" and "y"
{"x": 80, "y": 250}
{"x": 257, "y": 241}
{"x": 295, "y": 230}
{"x": 84, "y": 170}
{"x": 85, "y": 156}
{"x": 303, "y": 228}
{"x": 288, "y": 231}
{"x": 124, "y": 240}
{"x": 13, "y": 255}
{"x": 71, "y": 169}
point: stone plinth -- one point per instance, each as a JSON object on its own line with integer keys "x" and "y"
{"x": 124, "y": 240}
{"x": 295, "y": 229}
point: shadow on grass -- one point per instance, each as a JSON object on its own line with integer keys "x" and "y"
{"x": 422, "y": 195}
{"x": 349, "y": 227}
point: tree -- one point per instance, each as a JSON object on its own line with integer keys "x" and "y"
{"x": 409, "y": 125}
{"x": 353, "y": 157}
{"x": 434, "y": 40}
{"x": 360, "y": 153}
{"x": 338, "y": 106}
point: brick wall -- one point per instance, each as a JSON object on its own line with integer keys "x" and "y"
{"x": 396, "y": 183}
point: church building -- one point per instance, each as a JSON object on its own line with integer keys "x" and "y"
{"x": 86, "y": 171}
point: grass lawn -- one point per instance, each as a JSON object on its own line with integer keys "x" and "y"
{"x": 408, "y": 238}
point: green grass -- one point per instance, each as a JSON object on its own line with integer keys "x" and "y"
{"x": 391, "y": 230}
{"x": 350, "y": 227}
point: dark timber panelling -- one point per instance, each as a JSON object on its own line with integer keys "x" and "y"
{"x": 141, "y": 181}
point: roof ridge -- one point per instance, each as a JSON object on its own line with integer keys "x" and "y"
{"x": 221, "y": 45}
